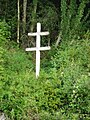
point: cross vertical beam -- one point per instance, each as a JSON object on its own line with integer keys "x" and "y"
{"x": 37, "y": 50}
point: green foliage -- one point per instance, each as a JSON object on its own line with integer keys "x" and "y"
{"x": 47, "y": 15}
{"x": 1, "y": 63}
{"x": 16, "y": 60}
{"x": 4, "y": 32}
{"x": 4, "y": 35}
{"x": 60, "y": 93}
{"x": 17, "y": 69}
{"x": 72, "y": 16}
{"x": 72, "y": 65}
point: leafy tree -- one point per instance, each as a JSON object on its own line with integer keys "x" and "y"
{"x": 72, "y": 16}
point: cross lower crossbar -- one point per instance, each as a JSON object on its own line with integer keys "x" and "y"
{"x": 41, "y": 48}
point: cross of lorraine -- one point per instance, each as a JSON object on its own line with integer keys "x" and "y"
{"x": 38, "y": 48}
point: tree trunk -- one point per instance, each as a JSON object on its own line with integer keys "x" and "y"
{"x": 33, "y": 15}
{"x": 24, "y": 15}
{"x": 18, "y": 26}
{"x": 33, "y": 20}
{"x": 58, "y": 40}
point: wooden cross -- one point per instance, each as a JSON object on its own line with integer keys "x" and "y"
{"x": 38, "y": 48}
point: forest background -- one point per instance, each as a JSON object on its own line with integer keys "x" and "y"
{"x": 62, "y": 92}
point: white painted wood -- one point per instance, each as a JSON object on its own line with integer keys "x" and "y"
{"x": 38, "y": 51}
{"x": 38, "y": 48}
{"x": 38, "y": 33}
{"x": 44, "y": 48}
{"x": 31, "y": 49}
{"x": 41, "y": 48}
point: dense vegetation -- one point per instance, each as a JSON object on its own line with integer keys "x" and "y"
{"x": 62, "y": 91}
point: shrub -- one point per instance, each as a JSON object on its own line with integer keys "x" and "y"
{"x": 72, "y": 65}
{"x": 15, "y": 86}
{"x": 17, "y": 61}
{"x": 4, "y": 32}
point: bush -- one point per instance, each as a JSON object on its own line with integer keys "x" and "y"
{"x": 4, "y": 35}
{"x": 72, "y": 65}
{"x": 4, "y": 32}
{"x": 15, "y": 86}
{"x": 17, "y": 61}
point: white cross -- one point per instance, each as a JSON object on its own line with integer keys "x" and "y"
{"x": 38, "y": 48}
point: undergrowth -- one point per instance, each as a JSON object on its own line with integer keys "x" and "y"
{"x": 62, "y": 92}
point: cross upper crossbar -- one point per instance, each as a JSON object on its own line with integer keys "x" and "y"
{"x": 38, "y": 48}
{"x": 38, "y": 33}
